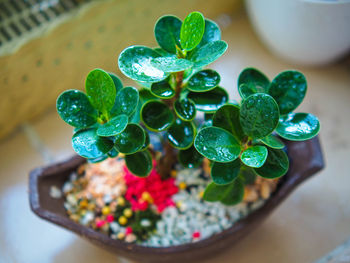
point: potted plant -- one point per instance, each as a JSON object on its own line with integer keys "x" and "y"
{"x": 180, "y": 123}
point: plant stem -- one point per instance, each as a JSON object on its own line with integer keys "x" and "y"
{"x": 169, "y": 158}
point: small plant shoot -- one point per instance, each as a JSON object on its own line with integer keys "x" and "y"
{"x": 110, "y": 119}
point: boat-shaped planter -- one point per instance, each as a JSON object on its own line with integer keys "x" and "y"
{"x": 305, "y": 160}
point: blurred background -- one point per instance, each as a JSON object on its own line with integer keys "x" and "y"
{"x": 47, "y": 46}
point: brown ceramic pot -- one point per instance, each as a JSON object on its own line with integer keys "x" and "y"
{"x": 305, "y": 160}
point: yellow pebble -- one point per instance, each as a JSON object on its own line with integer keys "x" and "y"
{"x": 122, "y": 220}
{"x": 91, "y": 206}
{"x": 147, "y": 197}
{"x": 173, "y": 173}
{"x": 182, "y": 185}
{"x": 178, "y": 204}
{"x": 106, "y": 210}
{"x": 201, "y": 193}
{"x": 121, "y": 201}
{"x": 120, "y": 235}
{"x": 83, "y": 204}
{"x": 128, "y": 212}
{"x": 74, "y": 217}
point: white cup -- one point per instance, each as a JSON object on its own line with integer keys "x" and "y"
{"x": 306, "y": 32}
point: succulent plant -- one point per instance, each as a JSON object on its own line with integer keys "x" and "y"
{"x": 240, "y": 139}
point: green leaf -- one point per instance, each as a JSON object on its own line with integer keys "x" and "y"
{"x": 167, "y": 33}
{"x": 118, "y": 84}
{"x": 87, "y": 144}
{"x": 217, "y": 144}
{"x": 181, "y": 134}
{"x": 163, "y": 52}
{"x": 113, "y": 153}
{"x": 235, "y": 194}
{"x": 214, "y": 192}
{"x": 140, "y": 163}
{"x": 113, "y": 127}
{"x": 147, "y": 141}
{"x": 100, "y": 90}
{"x": 228, "y": 194}
{"x": 247, "y": 175}
{"x": 131, "y": 139}
{"x": 135, "y": 63}
{"x": 156, "y": 115}
{"x": 203, "y": 80}
{"x": 162, "y": 90}
{"x": 273, "y": 142}
{"x": 192, "y": 30}
{"x": 276, "y": 164}
{"x": 225, "y": 173}
{"x": 98, "y": 159}
{"x": 227, "y": 117}
{"x": 185, "y": 109}
{"x": 259, "y": 115}
{"x": 211, "y": 33}
{"x": 209, "y": 101}
{"x": 251, "y": 81}
{"x": 190, "y": 158}
{"x": 208, "y": 53}
{"x": 125, "y": 102}
{"x": 288, "y": 89}
{"x": 171, "y": 64}
{"x": 298, "y": 126}
{"x": 74, "y": 108}
{"x": 254, "y": 156}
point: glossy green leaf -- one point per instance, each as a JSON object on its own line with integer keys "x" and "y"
{"x": 131, "y": 139}
{"x": 144, "y": 96}
{"x": 259, "y": 115}
{"x": 254, "y": 156}
{"x": 235, "y": 193}
{"x": 87, "y": 144}
{"x": 181, "y": 134}
{"x": 298, "y": 126}
{"x": 227, "y": 117}
{"x": 98, "y": 159}
{"x": 217, "y": 144}
{"x": 209, "y": 101}
{"x": 156, "y": 115}
{"x": 288, "y": 89}
{"x": 192, "y": 30}
{"x": 208, "y": 53}
{"x": 118, "y": 84}
{"x": 135, "y": 63}
{"x": 163, "y": 52}
{"x": 171, "y": 64}
{"x": 113, "y": 153}
{"x": 229, "y": 194}
{"x": 214, "y": 192}
{"x": 140, "y": 163}
{"x": 251, "y": 81}
{"x": 185, "y": 109}
{"x": 273, "y": 142}
{"x": 225, "y": 173}
{"x": 74, "y": 108}
{"x": 247, "y": 175}
{"x": 162, "y": 90}
{"x": 276, "y": 164}
{"x": 203, "y": 80}
{"x": 100, "y": 90}
{"x": 126, "y": 101}
{"x": 167, "y": 33}
{"x": 113, "y": 127}
{"x": 211, "y": 33}
{"x": 190, "y": 158}
{"x": 147, "y": 141}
